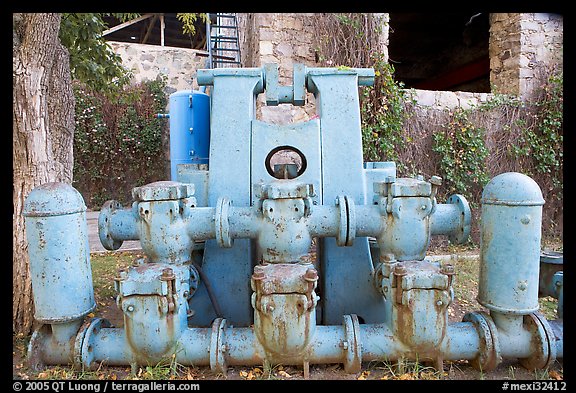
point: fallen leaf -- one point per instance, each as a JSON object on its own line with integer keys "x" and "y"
{"x": 556, "y": 375}
{"x": 406, "y": 376}
{"x": 43, "y": 375}
{"x": 243, "y": 374}
{"x": 284, "y": 374}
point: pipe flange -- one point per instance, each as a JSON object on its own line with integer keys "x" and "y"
{"x": 351, "y": 208}
{"x": 461, "y": 234}
{"x": 218, "y": 347}
{"x": 351, "y": 345}
{"x": 543, "y": 342}
{"x": 222, "y": 222}
{"x": 40, "y": 335}
{"x": 83, "y": 345}
{"x": 347, "y": 221}
{"x": 489, "y": 354}
{"x": 104, "y": 219}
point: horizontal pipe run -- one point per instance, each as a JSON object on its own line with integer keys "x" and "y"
{"x": 244, "y": 222}
{"x": 463, "y": 342}
{"x": 369, "y": 221}
{"x": 110, "y": 347}
{"x": 323, "y": 221}
{"x": 122, "y": 225}
{"x": 200, "y": 223}
{"x": 446, "y": 219}
{"x": 242, "y": 347}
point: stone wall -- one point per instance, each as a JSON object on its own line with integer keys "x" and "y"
{"x": 285, "y": 39}
{"x": 521, "y": 44}
{"x": 437, "y": 99}
{"x": 148, "y": 61}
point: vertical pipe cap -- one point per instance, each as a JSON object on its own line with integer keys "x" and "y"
{"x": 53, "y": 199}
{"x": 514, "y": 189}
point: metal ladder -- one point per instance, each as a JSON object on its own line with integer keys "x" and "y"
{"x": 222, "y": 41}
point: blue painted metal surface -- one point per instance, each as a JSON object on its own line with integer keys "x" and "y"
{"x": 229, "y": 277}
{"x": 189, "y": 129}
{"x": 511, "y": 221}
{"x": 60, "y": 270}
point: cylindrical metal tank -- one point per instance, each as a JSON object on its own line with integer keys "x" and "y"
{"x": 189, "y": 129}
{"x": 510, "y": 235}
{"x": 57, "y": 234}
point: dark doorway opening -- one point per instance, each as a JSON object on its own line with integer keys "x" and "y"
{"x": 441, "y": 51}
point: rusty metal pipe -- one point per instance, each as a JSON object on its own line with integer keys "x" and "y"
{"x": 240, "y": 346}
{"x": 462, "y": 342}
{"x": 200, "y": 224}
{"x": 323, "y": 221}
{"x": 110, "y": 347}
{"x": 513, "y": 337}
{"x": 369, "y": 221}
{"x": 445, "y": 219}
{"x": 244, "y": 222}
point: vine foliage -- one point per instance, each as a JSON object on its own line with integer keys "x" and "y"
{"x": 118, "y": 141}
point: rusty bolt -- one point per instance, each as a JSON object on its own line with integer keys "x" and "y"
{"x": 388, "y": 257}
{"x": 269, "y": 308}
{"x": 223, "y": 347}
{"x": 258, "y": 273}
{"x": 439, "y": 303}
{"x": 311, "y": 275}
{"x": 400, "y": 270}
{"x": 167, "y": 274}
{"x": 344, "y": 344}
{"x": 130, "y": 308}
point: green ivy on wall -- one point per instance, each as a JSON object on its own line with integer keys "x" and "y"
{"x": 118, "y": 141}
{"x": 462, "y": 154}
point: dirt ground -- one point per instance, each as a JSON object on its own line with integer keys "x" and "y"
{"x": 460, "y": 370}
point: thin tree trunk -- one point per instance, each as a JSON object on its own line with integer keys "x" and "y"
{"x": 43, "y": 128}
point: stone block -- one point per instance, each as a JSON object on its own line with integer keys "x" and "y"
{"x": 266, "y": 48}
{"x": 425, "y": 97}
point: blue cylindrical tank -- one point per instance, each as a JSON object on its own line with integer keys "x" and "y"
{"x": 57, "y": 235}
{"x": 189, "y": 129}
{"x": 510, "y": 235}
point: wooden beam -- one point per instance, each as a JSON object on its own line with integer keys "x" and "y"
{"x": 162, "y": 26}
{"x": 126, "y": 24}
{"x": 149, "y": 28}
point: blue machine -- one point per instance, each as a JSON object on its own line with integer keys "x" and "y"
{"x": 229, "y": 279}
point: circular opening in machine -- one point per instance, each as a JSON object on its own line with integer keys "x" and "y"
{"x": 285, "y": 162}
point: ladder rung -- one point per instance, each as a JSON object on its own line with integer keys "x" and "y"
{"x": 222, "y": 38}
{"x": 223, "y": 26}
{"x": 227, "y": 49}
{"x": 226, "y": 61}
{"x": 225, "y": 16}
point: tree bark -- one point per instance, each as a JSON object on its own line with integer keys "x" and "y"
{"x": 42, "y": 138}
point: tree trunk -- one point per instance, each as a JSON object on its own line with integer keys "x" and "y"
{"x": 43, "y": 129}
